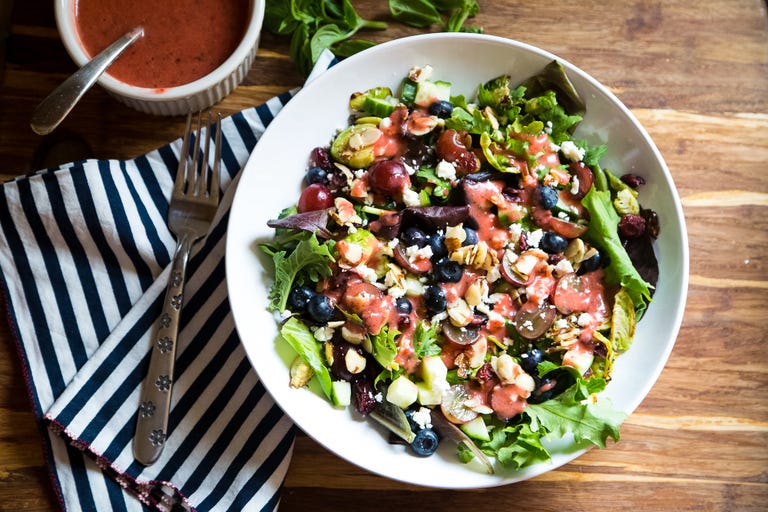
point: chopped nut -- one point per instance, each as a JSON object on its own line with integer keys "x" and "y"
{"x": 370, "y": 135}
{"x": 454, "y": 237}
{"x": 476, "y": 292}
{"x": 476, "y": 256}
{"x": 505, "y": 368}
{"x": 323, "y": 333}
{"x": 300, "y": 372}
{"x": 354, "y": 362}
{"x": 460, "y": 313}
{"x": 353, "y": 333}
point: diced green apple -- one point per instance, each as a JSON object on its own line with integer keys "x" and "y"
{"x": 342, "y": 391}
{"x": 476, "y": 429}
{"x": 402, "y": 392}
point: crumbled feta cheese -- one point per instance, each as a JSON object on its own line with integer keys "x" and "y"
{"x": 515, "y": 230}
{"x": 563, "y": 267}
{"x": 584, "y": 319}
{"x": 561, "y": 323}
{"x": 385, "y": 123}
{"x": 575, "y": 185}
{"x": 562, "y": 215}
{"x": 414, "y": 252}
{"x": 534, "y": 238}
{"x": 418, "y": 73}
{"x": 548, "y": 127}
{"x": 445, "y": 170}
{"x": 571, "y": 151}
{"x": 423, "y": 417}
{"x": 409, "y": 169}
{"x": 367, "y": 273}
{"x": 411, "y": 198}
{"x": 436, "y": 319}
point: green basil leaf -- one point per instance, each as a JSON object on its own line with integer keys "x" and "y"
{"x": 416, "y": 13}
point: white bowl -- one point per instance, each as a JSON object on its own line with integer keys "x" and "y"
{"x": 310, "y": 120}
{"x": 197, "y": 95}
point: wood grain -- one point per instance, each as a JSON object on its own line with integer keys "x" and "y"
{"x": 696, "y": 76}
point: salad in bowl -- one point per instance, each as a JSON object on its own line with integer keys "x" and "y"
{"x": 456, "y": 260}
{"x": 463, "y": 269}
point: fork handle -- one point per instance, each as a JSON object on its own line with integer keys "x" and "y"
{"x": 155, "y": 400}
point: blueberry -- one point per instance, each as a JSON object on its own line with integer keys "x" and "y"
{"x": 547, "y": 197}
{"x": 299, "y": 297}
{"x": 530, "y": 360}
{"x": 320, "y": 308}
{"x": 316, "y": 175}
{"x": 553, "y": 243}
{"x": 550, "y": 386}
{"x": 435, "y": 299}
{"x": 471, "y": 238}
{"x": 441, "y": 109}
{"x": 425, "y": 443}
{"x": 591, "y": 263}
{"x": 437, "y": 244}
{"x": 403, "y": 306}
{"x": 447, "y": 271}
{"x": 414, "y": 236}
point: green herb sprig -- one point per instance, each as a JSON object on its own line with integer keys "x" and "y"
{"x": 315, "y": 26}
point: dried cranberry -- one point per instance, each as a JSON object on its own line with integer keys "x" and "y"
{"x": 651, "y": 222}
{"x": 554, "y": 259}
{"x": 485, "y": 373}
{"x": 321, "y": 158}
{"x": 362, "y": 392}
{"x": 633, "y": 180}
{"x": 631, "y": 226}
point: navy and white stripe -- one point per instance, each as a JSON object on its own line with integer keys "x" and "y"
{"x": 84, "y": 255}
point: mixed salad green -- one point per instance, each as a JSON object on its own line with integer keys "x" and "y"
{"x": 464, "y": 270}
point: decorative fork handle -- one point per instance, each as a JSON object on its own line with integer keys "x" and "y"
{"x": 155, "y": 401}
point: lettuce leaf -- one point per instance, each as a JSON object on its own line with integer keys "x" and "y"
{"x": 301, "y": 340}
{"x": 309, "y": 260}
{"x": 425, "y": 340}
{"x": 385, "y": 347}
{"x": 516, "y": 446}
{"x": 603, "y": 233}
{"x": 577, "y": 411}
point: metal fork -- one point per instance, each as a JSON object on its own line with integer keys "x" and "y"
{"x": 190, "y": 214}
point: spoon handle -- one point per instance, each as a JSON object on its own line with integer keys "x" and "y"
{"x": 55, "y": 107}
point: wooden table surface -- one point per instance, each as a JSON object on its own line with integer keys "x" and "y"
{"x": 695, "y": 74}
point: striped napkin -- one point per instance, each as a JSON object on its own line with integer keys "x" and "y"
{"x": 84, "y": 256}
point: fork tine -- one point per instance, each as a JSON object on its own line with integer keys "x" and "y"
{"x": 216, "y": 161}
{"x": 202, "y": 190}
{"x": 181, "y": 171}
{"x": 192, "y": 170}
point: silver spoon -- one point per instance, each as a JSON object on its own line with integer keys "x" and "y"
{"x": 54, "y": 108}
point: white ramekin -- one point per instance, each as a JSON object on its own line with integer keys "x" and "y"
{"x": 170, "y": 101}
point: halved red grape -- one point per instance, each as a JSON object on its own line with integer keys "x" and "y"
{"x": 388, "y": 177}
{"x": 534, "y": 319}
{"x": 460, "y": 335}
{"x": 315, "y": 197}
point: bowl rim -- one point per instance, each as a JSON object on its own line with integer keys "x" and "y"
{"x": 235, "y": 251}
{"x": 67, "y": 28}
